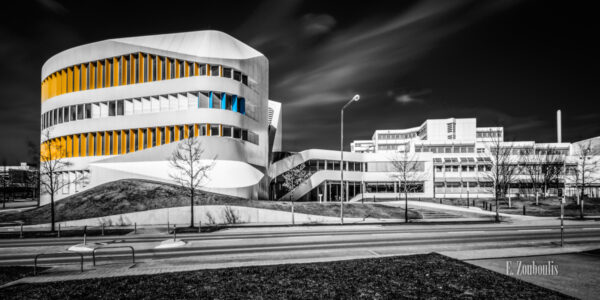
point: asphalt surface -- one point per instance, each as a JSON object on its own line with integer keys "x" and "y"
{"x": 255, "y": 244}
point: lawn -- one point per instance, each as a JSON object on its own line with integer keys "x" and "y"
{"x": 12, "y": 273}
{"x": 131, "y": 195}
{"x": 431, "y": 276}
{"x": 548, "y": 207}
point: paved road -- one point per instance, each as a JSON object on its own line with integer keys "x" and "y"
{"x": 256, "y": 244}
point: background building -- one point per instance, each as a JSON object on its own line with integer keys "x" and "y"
{"x": 455, "y": 158}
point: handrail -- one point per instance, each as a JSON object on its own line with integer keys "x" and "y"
{"x": 54, "y": 253}
{"x": 106, "y": 247}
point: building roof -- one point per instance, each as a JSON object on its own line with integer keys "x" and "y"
{"x": 204, "y": 44}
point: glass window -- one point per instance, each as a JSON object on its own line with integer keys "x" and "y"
{"x": 173, "y": 67}
{"x": 146, "y": 71}
{"x": 203, "y": 130}
{"x": 73, "y": 112}
{"x": 237, "y": 133}
{"x": 237, "y": 75}
{"x": 162, "y": 136}
{"x": 214, "y": 70}
{"x": 227, "y": 131}
{"x": 202, "y": 69}
{"x": 244, "y": 134}
{"x": 227, "y": 72}
{"x": 229, "y": 103}
{"x": 126, "y": 133}
{"x": 128, "y": 70}
{"x": 163, "y": 70}
{"x": 245, "y": 79}
{"x": 60, "y": 115}
{"x": 214, "y": 130}
{"x": 110, "y": 143}
{"x": 182, "y": 65}
{"x": 154, "y": 67}
{"x": 136, "y": 67}
{"x": 153, "y": 132}
{"x": 118, "y": 138}
{"x": 144, "y": 139}
{"x": 181, "y": 133}
{"x": 80, "y": 112}
{"x": 66, "y": 114}
{"x": 135, "y": 140}
{"x": 328, "y": 165}
{"x": 112, "y": 109}
{"x": 191, "y": 130}
{"x": 120, "y": 108}
{"x": 171, "y": 134}
{"x": 88, "y": 111}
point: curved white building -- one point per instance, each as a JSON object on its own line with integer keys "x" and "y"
{"x": 118, "y": 107}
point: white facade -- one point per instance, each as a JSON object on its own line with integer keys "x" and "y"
{"x": 120, "y": 106}
{"x": 457, "y": 159}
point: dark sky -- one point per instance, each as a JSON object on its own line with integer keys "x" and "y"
{"x": 508, "y": 63}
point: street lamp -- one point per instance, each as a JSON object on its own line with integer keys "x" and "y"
{"x": 355, "y": 98}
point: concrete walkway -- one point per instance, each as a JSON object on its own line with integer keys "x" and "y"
{"x": 574, "y": 274}
{"x": 468, "y": 212}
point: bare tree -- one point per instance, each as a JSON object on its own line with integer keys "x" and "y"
{"x": 53, "y": 167}
{"x": 408, "y": 170}
{"x": 191, "y": 172}
{"x": 504, "y": 166}
{"x": 292, "y": 179}
{"x": 543, "y": 168}
{"x": 586, "y": 166}
{"x": 33, "y": 176}
{"x": 5, "y": 182}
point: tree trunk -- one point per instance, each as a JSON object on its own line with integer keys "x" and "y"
{"x": 497, "y": 217}
{"x": 405, "y": 205}
{"x": 192, "y": 208}
{"x": 52, "y": 212}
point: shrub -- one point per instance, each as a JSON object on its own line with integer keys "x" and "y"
{"x": 231, "y": 216}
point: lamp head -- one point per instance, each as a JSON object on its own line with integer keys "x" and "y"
{"x": 356, "y": 97}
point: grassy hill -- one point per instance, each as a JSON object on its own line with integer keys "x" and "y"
{"x": 131, "y": 195}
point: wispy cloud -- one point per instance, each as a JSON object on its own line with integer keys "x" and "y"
{"x": 312, "y": 74}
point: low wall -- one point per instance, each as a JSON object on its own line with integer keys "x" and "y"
{"x": 181, "y": 215}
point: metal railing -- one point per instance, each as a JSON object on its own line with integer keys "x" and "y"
{"x": 112, "y": 247}
{"x": 54, "y": 254}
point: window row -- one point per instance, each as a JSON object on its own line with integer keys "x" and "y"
{"x": 143, "y": 105}
{"x": 489, "y": 134}
{"x": 130, "y": 140}
{"x": 396, "y": 136}
{"x": 72, "y": 181}
{"x": 462, "y": 160}
{"x": 395, "y": 147}
{"x": 470, "y": 184}
{"x": 445, "y": 149}
{"x": 129, "y": 69}
{"x": 529, "y": 151}
{"x": 462, "y": 168}
{"x": 314, "y": 165}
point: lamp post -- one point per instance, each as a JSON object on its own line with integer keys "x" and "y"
{"x": 355, "y": 98}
